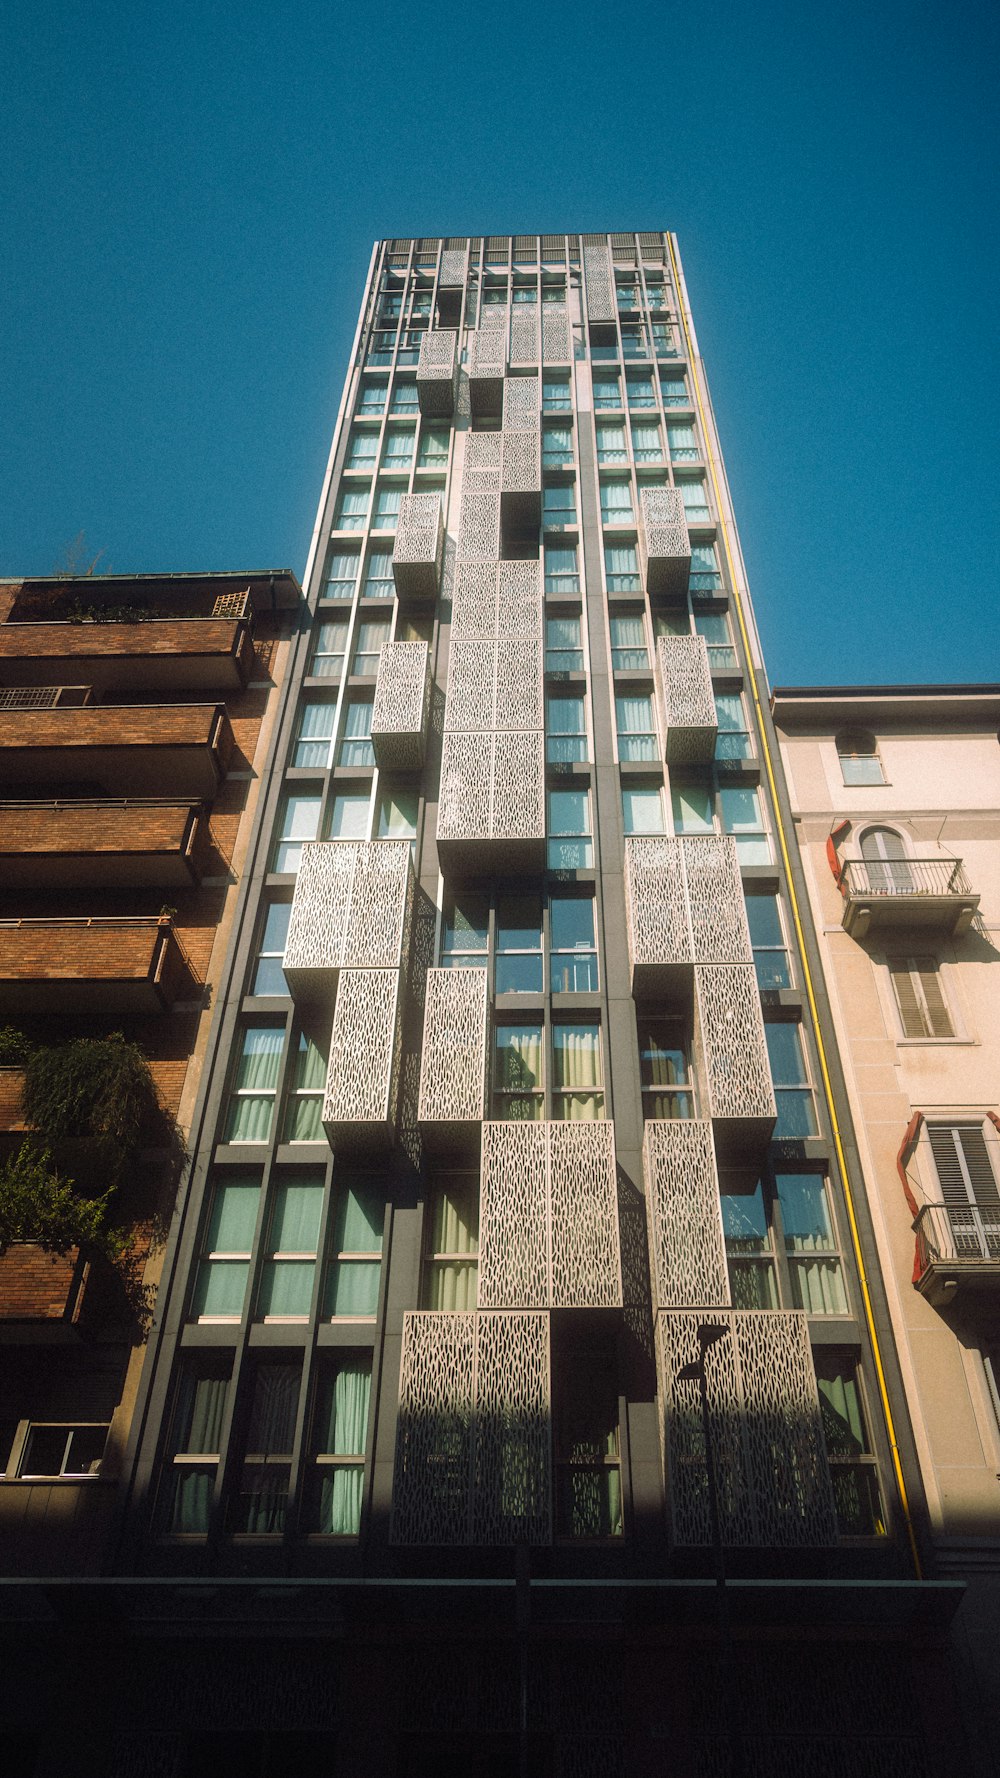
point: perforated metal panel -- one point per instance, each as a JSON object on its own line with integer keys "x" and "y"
{"x": 524, "y": 340}
{"x": 479, "y": 526}
{"x": 716, "y": 904}
{"x": 401, "y": 706}
{"x": 767, "y": 1439}
{"x": 666, "y": 545}
{"x": 557, "y": 347}
{"x": 492, "y": 790}
{"x": 548, "y": 1226}
{"x": 453, "y": 1054}
{"x": 419, "y": 548}
{"x": 466, "y": 793}
{"x": 352, "y": 906}
{"x": 689, "y": 720}
{"x": 522, "y": 404}
{"x": 437, "y": 373}
{"x": 521, "y": 481}
{"x": 519, "y": 684}
{"x": 518, "y": 811}
{"x": 519, "y": 599}
{"x": 495, "y": 600}
{"x": 599, "y": 281}
{"x": 684, "y": 1213}
{"x": 453, "y": 266}
{"x": 481, "y": 472}
{"x": 362, "y": 1086}
{"x": 472, "y": 1442}
{"x": 737, "y": 1072}
{"x": 487, "y": 360}
{"x": 474, "y": 605}
{"x": 656, "y": 915}
{"x": 471, "y": 698}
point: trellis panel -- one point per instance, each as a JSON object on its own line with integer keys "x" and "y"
{"x": 656, "y": 916}
{"x": 401, "y": 706}
{"x": 666, "y": 545}
{"x": 437, "y": 373}
{"x": 418, "y": 553}
{"x": 737, "y": 1072}
{"x": 689, "y": 718}
{"x": 684, "y": 1214}
{"x": 716, "y": 904}
{"x": 453, "y": 1055}
{"x": 362, "y": 1087}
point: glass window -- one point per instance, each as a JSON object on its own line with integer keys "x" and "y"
{"x": 337, "y": 1442}
{"x": 304, "y": 1099}
{"x": 255, "y": 1082}
{"x": 642, "y": 810}
{"x": 770, "y": 954}
{"x": 692, "y": 809}
{"x": 683, "y": 444}
{"x": 363, "y": 449}
{"x": 195, "y": 1443}
{"x": 714, "y": 626}
{"x": 636, "y": 727}
{"x": 742, "y": 815}
{"x": 671, "y": 623}
{"x": 385, "y": 514}
{"x": 557, "y": 447}
{"x": 397, "y": 452}
{"x": 607, "y": 392}
{"x": 633, "y": 339}
{"x": 704, "y": 576}
{"x": 796, "y": 1109}
{"x": 566, "y": 729}
{"x": 380, "y": 346}
{"x": 654, "y": 291}
{"x": 434, "y": 445}
{"x": 227, "y": 1242}
{"x": 611, "y": 446}
{"x": 694, "y": 494}
{"x": 451, "y": 1244}
{"x": 328, "y": 650}
{"x": 397, "y": 815}
{"x": 373, "y": 392}
{"x": 554, "y": 292}
{"x": 355, "y": 747}
{"x": 268, "y": 977}
{"x": 299, "y": 822}
{"x": 556, "y": 398}
{"x": 355, "y": 1265}
{"x": 665, "y": 1069}
{"x": 292, "y": 1248}
{"x": 629, "y": 653}
{"x": 409, "y": 345}
{"x": 379, "y": 582}
{"x": 572, "y": 945}
{"x": 349, "y": 817}
{"x": 814, "y": 1268}
{"x": 853, "y": 1469}
{"x": 616, "y": 503}
{"x": 465, "y": 932}
{"x": 621, "y": 568}
{"x": 52, "y": 1450}
{"x": 563, "y": 650}
{"x": 570, "y": 846}
{"x": 647, "y": 445}
{"x": 404, "y": 398}
{"x": 559, "y": 504}
{"x": 519, "y": 945}
{"x": 916, "y": 984}
{"x": 315, "y": 734}
{"x": 749, "y": 1249}
{"x": 663, "y": 340}
{"x": 342, "y": 574}
{"x": 562, "y": 573}
{"x": 576, "y": 1073}
{"x": 352, "y": 507}
{"x": 259, "y": 1497}
{"x": 674, "y": 391}
{"x": 517, "y": 1072}
{"x": 859, "y": 760}
{"x": 733, "y": 738}
{"x": 372, "y": 635}
{"x": 628, "y": 297}
{"x": 587, "y": 1454}
{"x": 640, "y": 391}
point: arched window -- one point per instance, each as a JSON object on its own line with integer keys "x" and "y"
{"x": 884, "y": 853}
{"x": 859, "y": 760}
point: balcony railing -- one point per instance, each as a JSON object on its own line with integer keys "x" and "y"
{"x": 666, "y": 544}
{"x": 928, "y": 892}
{"x": 158, "y": 654}
{"x": 437, "y": 374}
{"x": 352, "y": 908}
{"x": 401, "y": 706}
{"x": 690, "y": 724}
{"x": 453, "y": 1055}
{"x": 418, "y": 552}
{"x": 548, "y": 1225}
{"x": 87, "y": 843}
{"x": 136, "y": 966}
{"x": 958, "y": 1250}
{"x": 131, "y": 750}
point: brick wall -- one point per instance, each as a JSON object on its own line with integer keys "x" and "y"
{"x": 110, "y": 725}
{"x": 96, "y": 827}
{"x": 39, "y": 1286}
{"x": 72, "y": 642}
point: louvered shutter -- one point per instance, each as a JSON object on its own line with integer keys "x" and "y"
{"x": 963, "y": 1164}
{"x": 936, "y": 1012}
{"x": 910, "y": 1010}
{"x": 917, "y": 986}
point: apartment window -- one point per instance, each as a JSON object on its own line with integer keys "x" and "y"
{"x": 259, "y": 1496}
{"x": 350, "y": 815}
{"x": 636, "y": 727}
{"x": 587, "y": 1451}
{"x": 642, "y": 810}
{"x": 733, "y": 738}
{"x": 563, "y": 643}
{"x": 628, "y": 298}
{"x": 607, "y": 393}
{"x": 663, "y": 340}
{"x": 517, "y": 1072}
{"x": 692, "y": 809}
{"x": 435, "y": 442}
{"x": 372, "y": 635}
{"x": 404, "y": 399}
{"x": 391, "y": 306}
{"x": 398, "y": 449}
{"x": 621, "y": 568}
{"x": 373, "y": 395}
{"x": 557, "y": 447}
{"x": 304, "y": 1099}
{"x": 255, "y": 1082}
{"x": 743, "y": 817}
{"x": 572, "y": 945}
{"x": 629, "y": 653}
{"x": 465, "y": 934}
{"x": 640, "y": 392}
{"x": 397, "y": 815}
{"x": 380, "y": 346}
{"x": 355, "y": 1264}
{"x": 554, "y": 291}
{"x": 556, "y": 398}
{"x": 362, "y": 450}
{"x": 665, "y": 1068}
{"x": 409, "y": 344}
{"x": 268, "y": 976}
{"x": 704, "y": 576}
{"x": 355, "y": 747}
{"x": 342, "y": 574}
{"x": 451, "y": 1244}
{"x": 519, "y": 945}
{"x": 853, "y": 1468}
{"x": 570, "y": 846}
{"x": 495, "y": 295}
{"x": 647, "y": 445}
{"x": 558, "y": 505}
{"x": 633, "y": 340}
{"x": 811, "y": 1251}
{"x": 968, "y": 1185}
{"x": 385, "y": 513}
{"x": 194, "y": 1444}
{"x": 337, "y": 1441}
{"x": 859, "y": 758}
{"x": 674, "y": 392}
{"x": 312, "y": 747}
{"x": 328, "y": 649}
{"x": 577, "y": 1077}
{"x": 379, "y": 582}
{"x": 566, "y": 729}
{"x": 227, "y": 1243}
{"x": 64, "y": 1451}
{"x": 920, "y": 1001}
{"x": 611, "y": 445}
{"x": 292, "y": 1248}
{"x": 683, "y": 444}
{"x": 525, "y": 293}
{"x": 562, "y": 573}
{"x": 794, "y": 1095}
{"x": 770, "y": 953}
{"x": 616, "y": 503}
{"x": 298, "y": 823}
{"x": 749, "y": 1247}
{"x": 352, "y": 507}
{"x": 655, "y": 296}
{"x": 714, "y": 627}
{"x": 694, "y": 494}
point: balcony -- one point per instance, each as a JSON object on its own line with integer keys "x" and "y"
{"x": 454, "y": 263}
{"x": 402, "y": 706}
{"x": 666, "y": 543}
{"x": 774, "y": 1487}
{"x": 83, "y": 845}
{"x": 487, "y": 361}
{"x": 717, "y": 907}
{"x": 684, "y": 1210}
{"x": 958, "y": 1252}
{"x": 178, "y": 750}
{"x": 557, "y": 339}
{"x": 352, "y": 909}
{"x": 362, "y": 1086}
{"x": 473, "y": 1433}
{"x": 133, "y": 967}
{"x": 163, "y": 654}
{"x": 893, "y": 894}
{"x": 548, "y": 1217}
{"x": 452, "y": 1101}
{"x": 481, "y": 470}
{"x": 419, "y": 549}
{"x": 690, "y": 724}
{"x": 437, "y": 374}
{"x": 736, "y": 1071}
{"x": 491, "y": 813}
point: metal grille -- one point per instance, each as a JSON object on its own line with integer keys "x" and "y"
{"x": 34, "y": 697}
{"x": 522, "y": 463}
{"x": 519, "y": 684}
{"x": 518, "y": 811}
{"x": 549, "y": 1216}
{"x": 482, "y": 462}
{"x": 522, "y": 404}
{"x": 479, "y": 527}
{"x": 488, "y": 345}
{"x": 737, "y": 1070}
{"x": 466, "y": 787}
{"x": 401, "y": 705}
{"x": 690, "y": 722}
{"x": 524, "y": 334}
{"x": 453, "y": 264}
{"x": 453, "y": 1055}
{"x": 437, "y": 372}
{"x": 519, "y": 599}
{"x": 470, "y": 703}
{"x": 474, "y": 609}
{"x": 686, "y": 1239}
{"x": 716, "y": 904}
{"x": 419, "y": 549}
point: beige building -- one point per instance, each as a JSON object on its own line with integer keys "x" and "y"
{"x": 896, "y": 797}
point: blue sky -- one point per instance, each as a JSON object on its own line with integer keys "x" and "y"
{"x": 190, "y": 194}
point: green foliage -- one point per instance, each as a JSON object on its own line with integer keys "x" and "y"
{"x": 36, "y": 1204}
{"x": 15, "y": 1047}
{"x": 98, "y": 1087}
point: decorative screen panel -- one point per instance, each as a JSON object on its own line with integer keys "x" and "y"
{"x": 419, "y": 549}
{"x": 684, "y": 1212}
{"x": 437, "y": 373}
{"x": 432, "y": 1480}
{"x": 717, "y": 908}
{"x": 378, "y": 923}
{"x": 666, "y": 541}
{"x": 481, "y": 472}
{"x": 522, "y": 463}
{"x": 401, "y": 706}
{"x": 519, "y": 599}
{"x": 519, "y": 685}
{"x": 519, "y": 787}
{"x": 488, "y": 346}
{"x": 453, "y": 1056}
{"x": 320, "y": 906}
{"x": 690, "y": 720}
{"x": 474, "y": 608}
{"x": 522, "y": 404}
{"x": 656, "y": 913}
{"x": 466, "y": 787}
{"x": 524, "y": 334}
{"x": 586, "y": 1261}
{"x": 363, "y": 1080}
{"x": 469, "y": 705}
{"x": 479, "y": 527}
{"x": 599, "y": 282}
{"x": 737, "y": 1069}
{"x": 453, "y": 264}
{"x": 514, "y": 1268}
{"x": 512, "y": 1488}
{"x": 556, "y": 338}
{"x": 548, "y": 1226}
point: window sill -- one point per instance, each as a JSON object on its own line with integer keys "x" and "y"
{"x": 923, "y": 1043}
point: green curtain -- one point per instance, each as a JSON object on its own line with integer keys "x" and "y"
{"x": 518, "y": 1058}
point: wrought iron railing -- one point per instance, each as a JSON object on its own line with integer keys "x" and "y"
{"x": 904, "y": 876}
{"x": 958, "y": 1231}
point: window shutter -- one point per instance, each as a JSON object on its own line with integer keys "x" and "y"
{"x": 916, "y": 984}
{"x": 910, "y": 1011}
{"x": 963, "y": 1165}
{"x": 937, "y": 1014}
